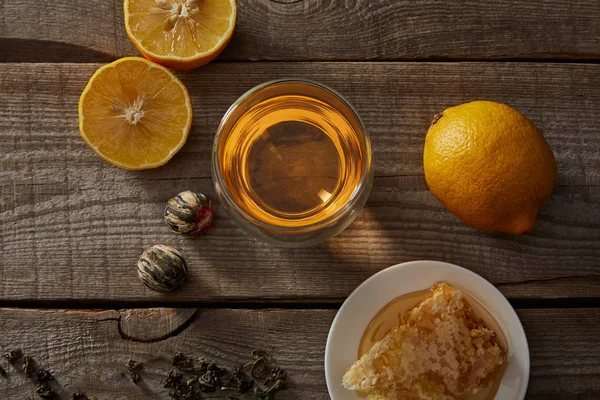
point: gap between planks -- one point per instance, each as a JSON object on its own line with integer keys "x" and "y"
{"x": 99, "y": 57}
{"x": 263, "y": 304}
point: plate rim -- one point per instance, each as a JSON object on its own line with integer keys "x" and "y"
{"x": 443, "y": 264}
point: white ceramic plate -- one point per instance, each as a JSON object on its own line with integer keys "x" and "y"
{"x": 373, "y": 294}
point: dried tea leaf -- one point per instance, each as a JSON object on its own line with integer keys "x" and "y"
{"x": 27, "y": 367}
{"x": 263, "y": 394}
{"x": 13, "y": 355}
{"x": 192, "y": 381}
{"x": 259, "y": 367}
{"x": 79, "y": 395}
{"x": 44, "y": 391}
{"x": 43, "y": 375}
{"x": 134, "y": 367}
{"x": 239, "y": 382}
{"x": 269, "y": 392}
{"x": 277, "y": 374}
{"x": 265, "y": 355}
{"x": 182, "y": 362}
{"x": 173, "y": 379}
{"x": 200, "y": 367}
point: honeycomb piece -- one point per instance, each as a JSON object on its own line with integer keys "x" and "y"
{"x": 443, "y": 351}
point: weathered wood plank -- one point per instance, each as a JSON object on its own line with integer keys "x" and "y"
{"x": 564, "y": 351}
{"x": 73, "y": 226}
{"x": 323, "y": 30}
{"x": 85, "y": 350}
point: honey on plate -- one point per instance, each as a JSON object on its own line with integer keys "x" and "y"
{"x": 438, "y": 343}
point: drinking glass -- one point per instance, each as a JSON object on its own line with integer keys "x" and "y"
{"x": 292, "y": 162}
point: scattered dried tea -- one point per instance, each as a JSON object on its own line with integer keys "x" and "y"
{"x": 13, "y": 355}
{"x": 27, "y": 367}
{"x": 205, "y": 377}
{"x": 179, "y": 390}
{"x": 134, "y": 367}
{"x": 44, "y": 391}
{"x": 43, "y": 376}
{"x": 273, "y": 375}
{"x": 209, "y": 377}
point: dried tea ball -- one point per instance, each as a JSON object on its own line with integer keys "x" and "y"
{"x": 189, "y": 213}
{"x": 162, "y": 268}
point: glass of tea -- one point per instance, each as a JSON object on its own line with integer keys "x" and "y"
{"x": 292, "y": 162}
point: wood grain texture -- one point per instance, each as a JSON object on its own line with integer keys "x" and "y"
{"x": 564, "y": 352}
{"x": 323, "y": 30}
{"x": 85, "y": 350}
{"x": 73, "y": 226}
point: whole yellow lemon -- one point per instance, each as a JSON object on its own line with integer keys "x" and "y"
{"x": 489, "y": 165}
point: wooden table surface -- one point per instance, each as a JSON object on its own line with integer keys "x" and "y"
{"x": 73, "y": 226}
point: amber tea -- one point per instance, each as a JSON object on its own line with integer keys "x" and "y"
{"x": 296, "y": 155}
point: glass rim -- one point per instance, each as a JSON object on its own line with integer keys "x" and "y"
{"x": 224, "y": 191}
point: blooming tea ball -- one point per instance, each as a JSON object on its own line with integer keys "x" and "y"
{"x": 162, "y": 268}
{"x": 189, "y": 213}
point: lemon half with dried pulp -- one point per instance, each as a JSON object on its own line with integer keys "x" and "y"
{"x": 135, "y": 114}
{"x": 181, "y": 34}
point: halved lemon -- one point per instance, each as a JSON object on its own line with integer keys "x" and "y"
{"x": 135, "y": 114}
{"x": 181, "y": 34}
